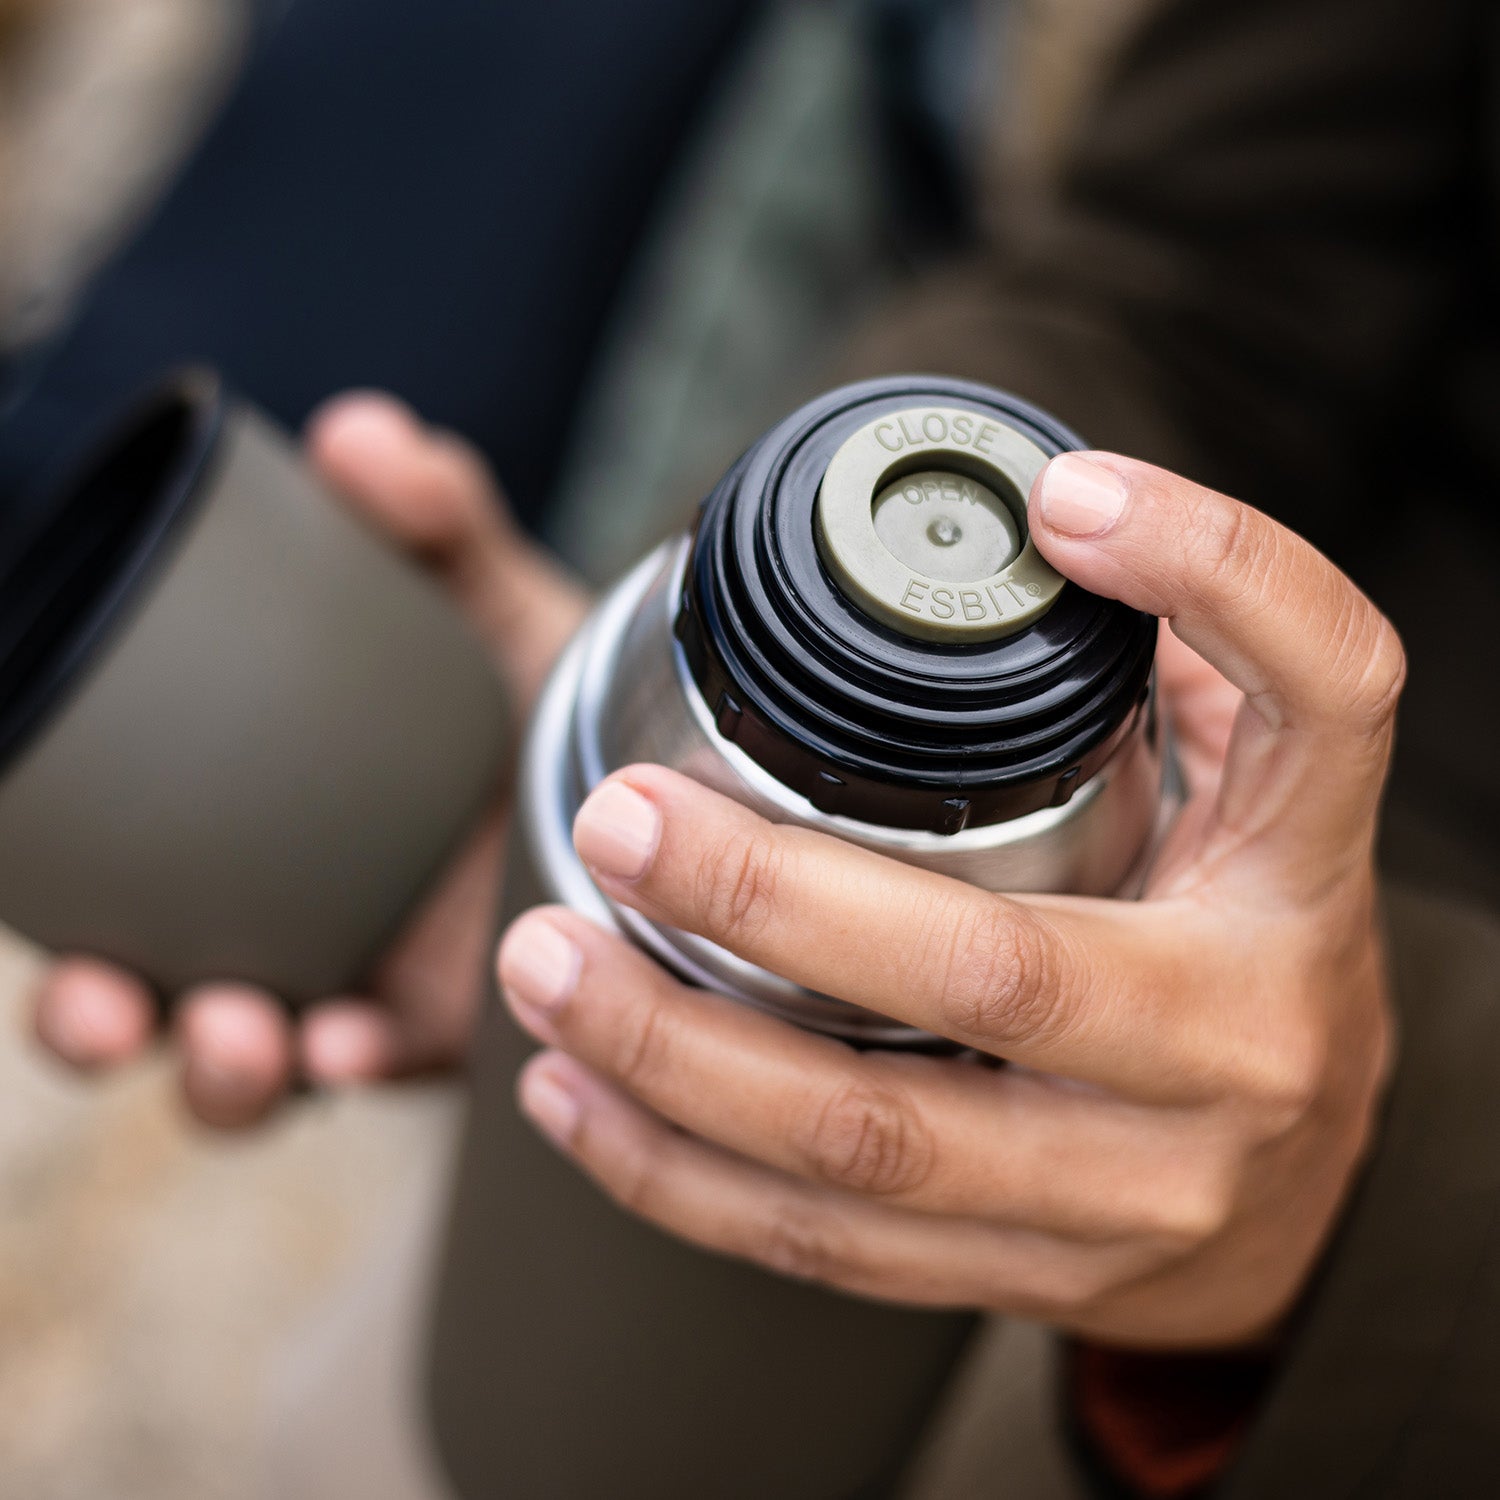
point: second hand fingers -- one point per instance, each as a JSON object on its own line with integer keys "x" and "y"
{"x": 237, "y": 1054}
{"x": 93, "y": 1015}
{"x": 343, "y": 1042}
{"x": 434, "y": 494}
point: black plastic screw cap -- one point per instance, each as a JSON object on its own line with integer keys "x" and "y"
{"x": 867, "y": 722}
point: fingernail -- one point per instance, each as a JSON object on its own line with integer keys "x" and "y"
{"x": 1080, "y": 498}
{"x": 539, "y": 965}
{"x": 377, "y": 411}
{"x": 549, "y": 1106}
{"x": 617, "y": 831}
{"x": 347, "y": 1048}
{"x": 79, "y": 1026}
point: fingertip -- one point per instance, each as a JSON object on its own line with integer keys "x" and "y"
{"x": 92, "y": 1015}
{"x": 359, "y": 412}
{"x": 569, "y": 935}
{"x": 348, "y": 1042}
{"x": 618, "y": 830}
{"x": 551, "y": 1092}
{"x": 237, "y": 1054}
{"x": 355, "y": 439}
{"x": 661, "y": 787}
{"x": 1079, "y": 497}
{"x": 666, "y": 786}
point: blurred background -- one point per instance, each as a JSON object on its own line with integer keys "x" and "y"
{"x": 149, "y": 1273}
{"x": 145, "y": 1269}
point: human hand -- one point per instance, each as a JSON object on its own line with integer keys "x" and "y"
{"x": 434, "y": 498}
{"x": 1193, "y": 1078}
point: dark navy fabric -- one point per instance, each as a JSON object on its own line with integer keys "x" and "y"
{"x": 434, "y": 196}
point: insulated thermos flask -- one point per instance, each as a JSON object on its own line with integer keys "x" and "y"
{"x": 860, "y": 638}
{"x": 239, "y": 735}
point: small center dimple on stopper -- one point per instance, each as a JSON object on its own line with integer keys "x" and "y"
{"x": 944, "y": 525}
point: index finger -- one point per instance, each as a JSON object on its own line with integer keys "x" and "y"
{"x": 1055, "y": 985}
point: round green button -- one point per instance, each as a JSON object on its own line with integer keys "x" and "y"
{"x": 922, "y": 522}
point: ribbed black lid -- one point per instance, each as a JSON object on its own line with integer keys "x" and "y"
{"x": 860, "y": 719}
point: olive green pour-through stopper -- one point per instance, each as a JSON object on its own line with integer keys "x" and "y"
{"x": 922, "y": 522}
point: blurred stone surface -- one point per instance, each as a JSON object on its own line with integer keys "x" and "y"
{"x": 151, "y": 1274}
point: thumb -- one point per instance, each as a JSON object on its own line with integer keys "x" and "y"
{"x": 434, "y": 497}
{"x": 1319, "y": 666}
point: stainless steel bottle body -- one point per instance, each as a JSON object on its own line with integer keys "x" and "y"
{"x": 830, "y": 665}
{"x": 577, "y": 1352}
{"x": 623, "y": 694}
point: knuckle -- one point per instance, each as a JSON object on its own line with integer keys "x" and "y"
{"x": 737, "y": 885}
{"x": 868, "y": 1138}
{"x": 1366, "y": 662}
{"x": 1074, "y": 1283}
{"x": 639, "y": 1183}
{"x": 804, "y": 1244}
{"x": 1282, "y": 1080}
{"x": 999, "y": 979}
{"x": 644, "y": 1045}
{"x": 1220, "y": 534}
{"x": 1382, "y": 674}
{"x": 1194, "y": 1212}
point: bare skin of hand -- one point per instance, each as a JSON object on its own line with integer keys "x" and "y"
{"x": 1193, "y": 1079}
{"x": 240, "y": 1050}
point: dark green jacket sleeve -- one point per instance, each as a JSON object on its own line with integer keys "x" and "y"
{"x": 1268, "y": 261}
{"x": 1392, "y": 1384}
{"x": 1389, "y": 1388}
{"x": 1246, "y": 266}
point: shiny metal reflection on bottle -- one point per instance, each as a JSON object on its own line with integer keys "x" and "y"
{"x": 629, "y": 690}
